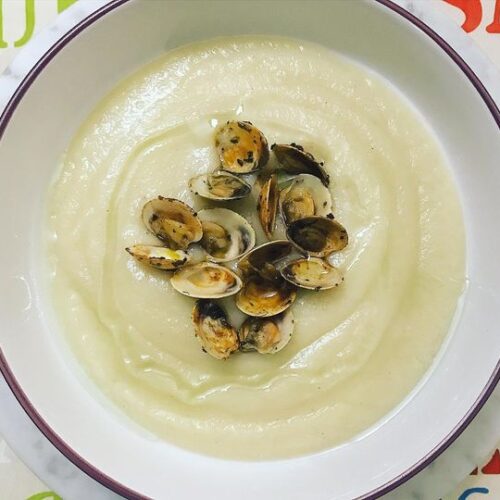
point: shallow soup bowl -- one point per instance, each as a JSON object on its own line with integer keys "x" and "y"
{"x": 36, "y": 127}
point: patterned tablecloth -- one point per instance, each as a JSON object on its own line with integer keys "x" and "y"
{"x": 20, "y": 19}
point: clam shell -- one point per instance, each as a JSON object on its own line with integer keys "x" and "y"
{"x": 226, "y": 234}
{"x": 312, "y": 273}
{"x": 219, "y": 186}
{"x": 306, "y": 196}
{"x": 172, "y": 221}
{"x": 266, "y": 335}
{"x": 262, "y": 259}
{"x": 267, "y": 206}
{"x": 217, "y": 337}
{"x": 159, "y": 257}
{"x": 294, "y": 160}
{"x": 261, "y": 297}
{"x": 206, "y": 280}
{"x": 317, "y": 236}
{"x": 242, "y": 147}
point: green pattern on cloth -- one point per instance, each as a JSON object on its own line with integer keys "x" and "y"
{"x": 45, "y": 495}
{"x": 29, "y": 11}
{"x": 64, "y": 4}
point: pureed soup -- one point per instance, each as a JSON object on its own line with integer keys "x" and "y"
{"x": 357, "y": 349}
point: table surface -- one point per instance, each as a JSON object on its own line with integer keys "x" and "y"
{"x": 480, "y": 19}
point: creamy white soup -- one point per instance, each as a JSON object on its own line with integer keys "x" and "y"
{"x": 357, "y": 350}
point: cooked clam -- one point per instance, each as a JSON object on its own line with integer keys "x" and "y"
{"x": 262, "y": 297}
{"x": 206, "y": 280}
{"x": 159, "y": 257}
{"x": 217, "y": 337}
{"x": 226, "y": 234}
{"x": 262, "y": 259}
{"x": 172, "y": 221}
{"x": 304, "y": 197}
{"x": 268, "y": 205}
{"x": 318, "y": 236}
{"x": 294, "y": 160}
{"x": 312, "y": 273}
{"x": 220, "y": 186}
{"x": 266, "y": 335}
{"x": 242, "y": 147}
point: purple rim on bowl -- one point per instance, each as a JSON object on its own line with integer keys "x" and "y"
{"x": 87, "y": 467}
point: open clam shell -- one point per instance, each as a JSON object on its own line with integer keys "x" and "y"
{"x": 262, "y": 259}
{"x": 312, "y": 273}
{"x": 159, "y": 257}
{"x": 219, "y": 186}
{"x": 294, "y": 160}
{"x": 217, "y": 337}
{"x": 226, "y": 234}
{"x": 317, "y": 236}
{"x": 172, "y": 221}
{"x": 306, "y": 196}
{"x": 262, "y": 297}
{"x": 267, "y": 206}
{"x": 266, "y": 335}
{"x": 242, "y": 147}
{"x": 206, "y": 280}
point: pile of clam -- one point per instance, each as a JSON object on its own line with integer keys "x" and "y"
{"x": 213, "y": 253}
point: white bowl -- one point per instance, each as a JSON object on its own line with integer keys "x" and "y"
{"x": 36, "y": 126}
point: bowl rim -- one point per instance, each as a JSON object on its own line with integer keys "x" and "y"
{"x": 81, "y": 462}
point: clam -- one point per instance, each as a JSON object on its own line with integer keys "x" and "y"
{"x": 206, "y": 280}
{"x": 294, "y": 160}
{"x": 220, "y": 185}
{"x": 304, "y": 197}
{"x": 262, "y": 297}
{"x": 317, "y": 236}
{"x": 266, "y": 335}
{"x": 172, "y": 221}
{"x": 226, "y": 234}
{"x": 262, "y": 259}
{"x": 242, "y": 147}
{"x": 159, "y": 257}
{"x": 268, "y": 205}
{"x": 312, "y": 273}
{"x": 217, "y": 337}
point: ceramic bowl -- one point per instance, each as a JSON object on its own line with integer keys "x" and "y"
{"x": 36, "y": 126}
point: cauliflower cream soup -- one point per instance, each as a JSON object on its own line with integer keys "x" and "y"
{"x": 357, "y": 349}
